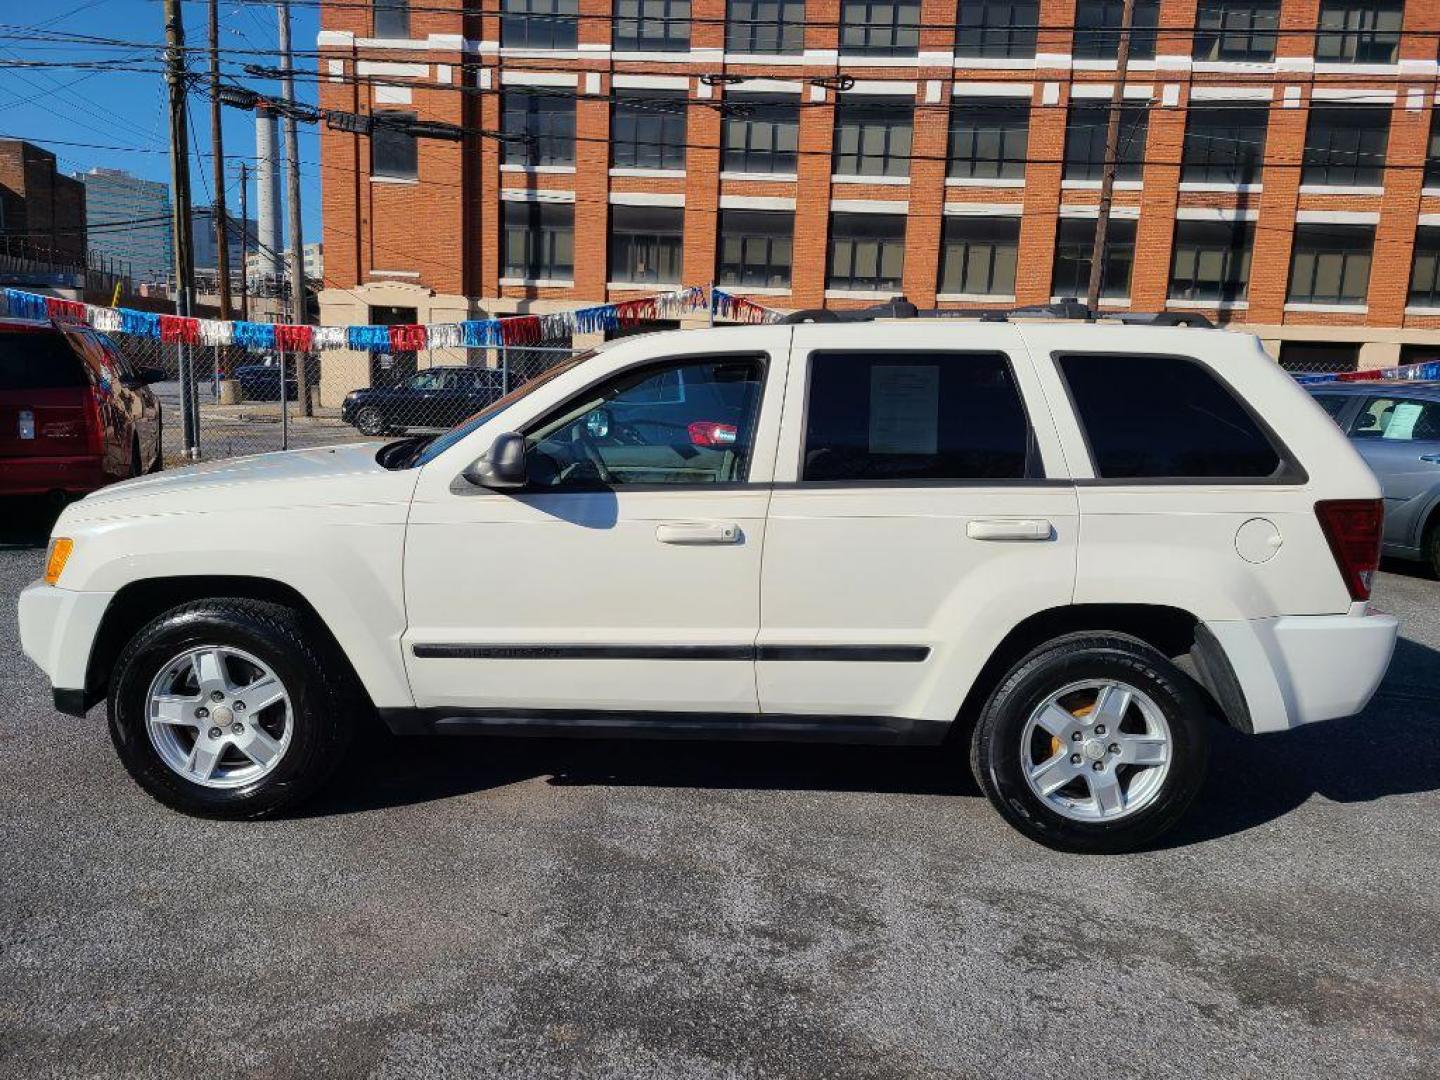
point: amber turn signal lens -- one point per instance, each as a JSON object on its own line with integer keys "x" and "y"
{"x": 60, "y": 548}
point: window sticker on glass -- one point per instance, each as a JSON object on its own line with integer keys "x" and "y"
{"x": 1402, "y": 420}
{"x": 904, "y": 408}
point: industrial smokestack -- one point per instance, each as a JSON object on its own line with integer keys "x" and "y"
{"x": 267, "y": 191}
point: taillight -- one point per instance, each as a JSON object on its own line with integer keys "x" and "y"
{"x": 94, "y": 423}
{"x": 1352, "y": 527}
{"x": 713, "y": 433}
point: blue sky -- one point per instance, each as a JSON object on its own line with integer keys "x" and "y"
{"x": 53, "y": 106}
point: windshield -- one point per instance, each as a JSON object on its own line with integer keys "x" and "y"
{"x": 465, "y": 427}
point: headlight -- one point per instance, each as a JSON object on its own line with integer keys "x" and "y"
{"x": 55, "y": 559}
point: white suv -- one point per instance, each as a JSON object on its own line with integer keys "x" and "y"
{"x": 1064, "y": 546}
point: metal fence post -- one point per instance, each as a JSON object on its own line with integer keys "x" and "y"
{"x": 284, "y": 405}
{"x": 504, "y": 370}
{"x": 215, "y": 380}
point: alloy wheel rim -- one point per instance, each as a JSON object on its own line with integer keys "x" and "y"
{"x": 370, "y": 421}
{"x": 1096, "y": 751}
{"x": 219, "y": 717}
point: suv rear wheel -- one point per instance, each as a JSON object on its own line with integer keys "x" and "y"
{"x": 225, "y": 708}
{"x": 1092, "y": 743}
{"x": 370, "y": 421}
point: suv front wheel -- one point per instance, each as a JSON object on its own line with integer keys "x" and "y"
{"x": 226, "y": 708}
{"x": 1092, "y": 743}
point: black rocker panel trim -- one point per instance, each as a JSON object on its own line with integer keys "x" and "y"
{"x": 889, "y": 654}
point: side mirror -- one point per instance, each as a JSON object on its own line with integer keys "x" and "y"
{"x": 502, "y": 467}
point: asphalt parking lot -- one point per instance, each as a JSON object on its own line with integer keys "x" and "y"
{"x": 675, "y": 910}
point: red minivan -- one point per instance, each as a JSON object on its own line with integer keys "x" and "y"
{"x": 74, "y": 415}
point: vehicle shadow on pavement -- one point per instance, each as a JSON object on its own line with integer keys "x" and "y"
{"x": 390, "y": 771}
{"x": 1392, "y": 748}
{"x": 25, "y": 522}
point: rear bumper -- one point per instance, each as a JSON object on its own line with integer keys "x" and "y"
{"x": 38, "y": 475}
{"x": 57, "y": 631}
{"x": 1303, "y": 669}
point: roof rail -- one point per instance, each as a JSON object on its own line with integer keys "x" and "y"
{"x": 1068, "y": 308}
{"x": 895, "y": 308}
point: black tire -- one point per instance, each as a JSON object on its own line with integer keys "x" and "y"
{"x": 323, "y": 701}
{"x": 996, "y": 753}
{"x": 371, "y": 421}
{"x": 136, "y": 467}
{"x": 1432, "y": 548}
{"x": 159, "y": 462}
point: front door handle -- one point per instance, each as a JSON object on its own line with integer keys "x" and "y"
{"x": 698, "y": 532}
{"x": 1009, "y": 529}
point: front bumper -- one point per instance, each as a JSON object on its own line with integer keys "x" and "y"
{"x": 57, "y": 630}
{"x": 1303, "y": 669}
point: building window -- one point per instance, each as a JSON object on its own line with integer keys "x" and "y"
{"x": 647, "y": 244}
{"x": 1097, "y": 29}
{"x": 392, "y": 151}
{"x": 1085, "y": 131}
{"x": 755, "y": 248}
{"x": 1212, "y": 260}
{"x": 1224, "y": 144}
{"x": 539, "y": 241}
{"x": 539, "y": 128}
{"x": 392, "y": 18}
{"x": 872, "y": 136}
{"x": 1425, "y": 275}
{"x": 880, "y": 27}
{"x": 988, "y": 139}
{"x": 652, "y": 26}
{"x": 1345, "y": 146}
{"x": 867, "y": 252}
{"x": 978, "y": 255}
{"x": 1236, "y": 30}
{"x": 539, "y": 24}
{"x": 1432, "y": 152}
{"x": 765, "y": 26}
{"x": 1353, "y": 32}
{"x": 647, "y": 130}
{"x": 764, "y": 137}
{"x": 1000, "y": 29}
{"x": 1074, "y": 246}
{"x": 1331, "y": 264}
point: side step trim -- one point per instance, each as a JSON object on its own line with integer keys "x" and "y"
{"x": 617, "y": 724}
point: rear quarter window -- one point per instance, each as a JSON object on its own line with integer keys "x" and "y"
{"x": 1165, "y": 417}
{"x": 39, "y": 360}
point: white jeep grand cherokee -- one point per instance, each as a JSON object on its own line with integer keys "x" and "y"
{"x": 1066, "y": 546}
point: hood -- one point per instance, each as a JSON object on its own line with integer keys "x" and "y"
{"x": 332, "y": 474}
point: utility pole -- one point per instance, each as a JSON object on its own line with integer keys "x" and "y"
{"x": 292, "y": 180}
{"x": 244, "y": 242}
{"x": 1112, "y": 152}
{"x": 180, "y": 186}
{"x": 217, "y": 150}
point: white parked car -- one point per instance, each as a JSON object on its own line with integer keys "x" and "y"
{"x": 1064, "y": 547}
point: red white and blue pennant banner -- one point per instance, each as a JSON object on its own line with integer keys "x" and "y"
{"x": 1427, "y": 371}
{"x": 472, "y": 334}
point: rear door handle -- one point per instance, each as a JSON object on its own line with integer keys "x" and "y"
{"x": 1433, "y": 459}
{"x": 698, "y": 532}
{"x": 1009, "y": 529}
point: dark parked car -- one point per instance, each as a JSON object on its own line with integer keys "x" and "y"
{"x": 261, "y": 382}
{"x": 74, "y": 415}
{"x": 438, "y": 397}
{"x": 1396, "y": 428}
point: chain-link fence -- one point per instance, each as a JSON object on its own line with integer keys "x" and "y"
{"x": 241, "y": 408}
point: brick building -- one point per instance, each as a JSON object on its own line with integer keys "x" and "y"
{"x": 1280, "y": 158}
{"x": 42, "y": 211}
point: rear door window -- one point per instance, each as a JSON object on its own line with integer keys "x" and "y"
{"x": 917, "y": 416}
{"x": 1334, "y": 404}
{"x": 39, "y": 360}
{"x": 1165, "y": 417}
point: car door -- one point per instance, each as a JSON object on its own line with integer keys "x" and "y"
{"x": 1399, "y": 438}
{"x": 416, "y": 401}
{"x": 625, "y": 576}
{"x": 920, "y": 512}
